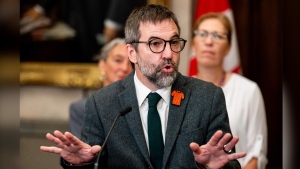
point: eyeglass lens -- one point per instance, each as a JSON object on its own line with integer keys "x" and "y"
{"x": 215, "y": 36}
{"x": 158, "y": 45}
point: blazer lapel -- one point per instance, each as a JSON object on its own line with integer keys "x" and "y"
{"x": 128, "y": 98}
{"x": 176, "y": 115}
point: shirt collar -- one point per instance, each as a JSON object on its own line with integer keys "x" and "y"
{"x": 142, "y": 91}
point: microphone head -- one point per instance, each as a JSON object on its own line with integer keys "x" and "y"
{"x": 125, "y": 111}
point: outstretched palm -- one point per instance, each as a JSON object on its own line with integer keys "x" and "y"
{"x": 71, "y": 148}
{"x": 212, "y": 154}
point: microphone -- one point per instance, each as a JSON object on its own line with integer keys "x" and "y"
{"x": 122, "y": 113}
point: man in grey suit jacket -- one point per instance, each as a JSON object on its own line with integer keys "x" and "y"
{"x": 192, "y": 112}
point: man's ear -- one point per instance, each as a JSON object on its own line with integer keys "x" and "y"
{"x": 131, "y": 52}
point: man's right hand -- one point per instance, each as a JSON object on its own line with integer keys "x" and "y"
{"x": 70, "y": 148}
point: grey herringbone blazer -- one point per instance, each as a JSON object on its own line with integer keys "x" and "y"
{"x": 200, "y": 114}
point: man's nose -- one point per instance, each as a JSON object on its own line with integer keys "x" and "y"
{"x": 167, "y": 53}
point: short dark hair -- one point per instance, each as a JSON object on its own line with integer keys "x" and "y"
{"x": 151, "y": 13}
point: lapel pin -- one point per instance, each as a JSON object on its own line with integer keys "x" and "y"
{"x": 177, "y": 97}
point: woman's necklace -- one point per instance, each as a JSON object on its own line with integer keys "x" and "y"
{"x": 222, "y": 80}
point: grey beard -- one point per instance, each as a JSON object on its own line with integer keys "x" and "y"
{"x": 154, "y": 75}
{"x": 162, "y": 79}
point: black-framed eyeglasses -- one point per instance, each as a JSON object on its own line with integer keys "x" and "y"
{"x": 215, "y": 36}
{"x": 157, "y": 45}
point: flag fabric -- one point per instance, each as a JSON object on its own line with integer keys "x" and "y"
{"x": 232, "y": 60}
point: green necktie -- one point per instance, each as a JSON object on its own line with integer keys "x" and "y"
{"x": 156, "y": 144}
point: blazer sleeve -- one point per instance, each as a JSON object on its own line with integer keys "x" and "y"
{"x": 67, "y": 165}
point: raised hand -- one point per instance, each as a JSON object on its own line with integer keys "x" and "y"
{"x": 214, "y": 155}
{"x": 71, "y": 148}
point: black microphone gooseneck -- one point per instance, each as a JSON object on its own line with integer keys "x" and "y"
{"x": 122, "y": 113}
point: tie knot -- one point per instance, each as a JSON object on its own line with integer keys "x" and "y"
{"x": 153, "y": 99}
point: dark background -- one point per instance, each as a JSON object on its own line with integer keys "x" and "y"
{"x": 259, "y": 26}
{"x": 268, "y": 33}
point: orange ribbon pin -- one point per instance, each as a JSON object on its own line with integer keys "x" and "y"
{"x": 177, "y": 97}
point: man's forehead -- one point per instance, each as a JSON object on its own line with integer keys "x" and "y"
{"x": 164, "y": 26}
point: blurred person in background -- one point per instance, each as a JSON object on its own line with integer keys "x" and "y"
{"x": 244, "y": 101}
{"x": 114, "y": 65}
{"x": 95, "y": 22}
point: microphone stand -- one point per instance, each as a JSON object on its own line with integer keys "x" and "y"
{"x": 122, "y": 113}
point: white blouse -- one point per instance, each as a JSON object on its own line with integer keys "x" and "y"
{"x": 247, "y": 118}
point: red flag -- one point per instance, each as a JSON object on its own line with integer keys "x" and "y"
{"x": 232, "y": 60}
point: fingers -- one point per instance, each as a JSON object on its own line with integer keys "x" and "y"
{"x": 54, "y": 140}
{"x": 59, "y": 139}
{"x": 231, "y": 144}
{"x": 55, "y": 150}
{"x": 95, "y": 149}
{"x": 224, "y": 140}
{"x": 213, "y": 151}
{"x": 62, "y": 138}
{"x": 72, "y": 139}
{"x": 195, "y": 147}
{"x": 220, "y": 141}
{"x": 236, "y": 155}
{"x": 214, "y": 140}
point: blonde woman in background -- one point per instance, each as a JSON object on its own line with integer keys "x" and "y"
{"x": 113, "y": 65}
{"x": 244, "y": 101}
